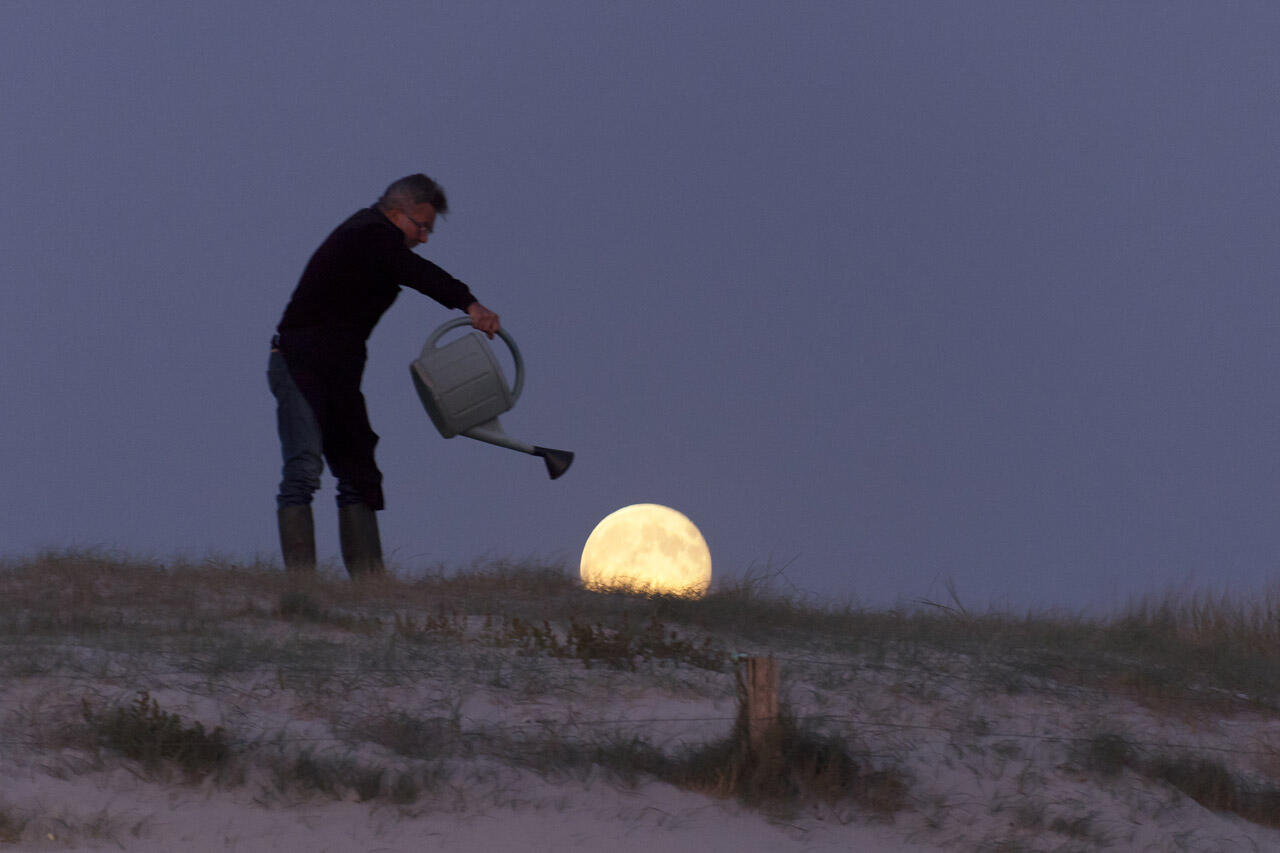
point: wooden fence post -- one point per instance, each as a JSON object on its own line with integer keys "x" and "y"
{"x": 760, "y": 700}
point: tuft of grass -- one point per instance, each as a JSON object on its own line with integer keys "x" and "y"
{"x": 405, "y": 790}
{"x": 624, "y": 647}
{"x": 300, "y": 606}
{"x": 1078, "y": 827}
{"x": 795, "y": 765}
{"x": 297, "y": 604}
{"x": 337, "y": 777}
{"x": 410, "y": 736}
{"x": 1211, "y": 784}
{"x": 145, "y": 733}
{"x": 11, "y": 826}
{"x": 1206, "y": 780}
{"x": 447, "y": 624}
{"x": 1106, "y": 753}
{"x": 627, "y": 759}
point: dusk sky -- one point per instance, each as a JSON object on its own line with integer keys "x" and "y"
{"x": 890, "y": 295}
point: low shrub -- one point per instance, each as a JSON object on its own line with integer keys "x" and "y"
{"x": 143, "y": 732}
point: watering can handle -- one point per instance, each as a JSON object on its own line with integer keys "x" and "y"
{"x": 518, "y": 386}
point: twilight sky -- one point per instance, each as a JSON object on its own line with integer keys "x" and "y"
{"x": 892, "y": 294}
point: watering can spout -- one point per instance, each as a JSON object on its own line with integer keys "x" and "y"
{"x": 558, "y": 461}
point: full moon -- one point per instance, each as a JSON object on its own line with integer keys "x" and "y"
{"x": 647, "y": 548}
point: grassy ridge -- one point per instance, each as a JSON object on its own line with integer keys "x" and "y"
{"x": 1176, "y": 649}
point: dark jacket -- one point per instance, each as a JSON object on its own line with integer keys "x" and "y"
{"x": 357, "y": 273}
{"x": 348, "y": 284}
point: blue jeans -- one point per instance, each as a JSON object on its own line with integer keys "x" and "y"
{"x": 301, "y": 444}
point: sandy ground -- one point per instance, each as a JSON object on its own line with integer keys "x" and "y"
{"x": 72, "y": 801}
{"x": 1007, "y": 784}
{"x": 116, "y": 811}
{"x": 991, "y": 759}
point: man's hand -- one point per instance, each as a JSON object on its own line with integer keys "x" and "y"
{"x": 483, "y": 319}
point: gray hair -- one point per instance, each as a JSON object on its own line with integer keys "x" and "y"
{"x": 414, "y": 189}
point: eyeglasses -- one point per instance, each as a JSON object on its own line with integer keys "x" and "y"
{"x": 421, "y": 226}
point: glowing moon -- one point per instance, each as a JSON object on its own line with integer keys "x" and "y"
{"x": 647, "y": 548}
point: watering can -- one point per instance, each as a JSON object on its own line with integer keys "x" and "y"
{"x": 463, "y": 389}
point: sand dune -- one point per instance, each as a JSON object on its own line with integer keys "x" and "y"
{"x": 470, "y": 714}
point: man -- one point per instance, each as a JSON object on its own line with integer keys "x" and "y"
{"x": 318, "y": 356}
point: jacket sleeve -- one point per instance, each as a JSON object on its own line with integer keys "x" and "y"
{"x": 410, "y": 270}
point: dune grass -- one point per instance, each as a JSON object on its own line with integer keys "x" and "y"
{"x": 169, "y": 664}
{"x": 1176, "y": 649}
{"x": 1204, "y": 778}
{"x": 144, "y": 732}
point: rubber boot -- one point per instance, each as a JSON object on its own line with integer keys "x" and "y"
{"x": 297, "y": 538}
{"x": 361, "y": 545}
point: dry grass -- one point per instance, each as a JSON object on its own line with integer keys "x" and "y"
{"x": 1204, "y": 778}
{"x": 397, "y": 691}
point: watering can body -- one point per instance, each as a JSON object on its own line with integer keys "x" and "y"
{"x": 461, "y": 383}
{"x": 463, "y": 389}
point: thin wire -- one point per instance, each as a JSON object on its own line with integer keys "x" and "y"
{"x": 490, "y": 728}
{"x": 279, "y": 671}
{"x": 282, "y": 670}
